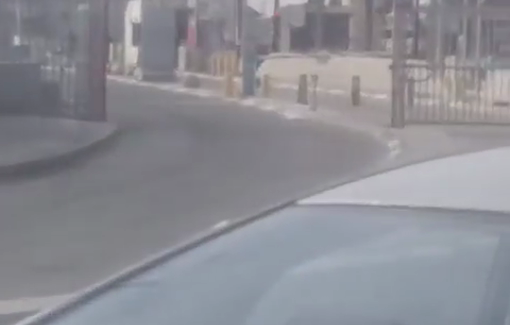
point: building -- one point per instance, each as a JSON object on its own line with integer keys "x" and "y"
{"x": 355, "y": 25}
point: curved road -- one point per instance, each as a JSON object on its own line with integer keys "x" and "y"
{"x": 181, "y": 165}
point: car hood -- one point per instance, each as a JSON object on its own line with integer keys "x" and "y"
{"x": 475, "y": 181}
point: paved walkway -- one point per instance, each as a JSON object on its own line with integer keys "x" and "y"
{"x": 414, "y": 142}
{"x": 31, "y": 142}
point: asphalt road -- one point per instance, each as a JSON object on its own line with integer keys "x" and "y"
{"x": 181, "y": 165}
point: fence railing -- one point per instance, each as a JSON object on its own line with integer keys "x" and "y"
{"x": 457, "y": 94}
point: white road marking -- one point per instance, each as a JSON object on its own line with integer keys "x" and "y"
{"x": 221, "y": 224}
{"x": 33, "y": 304}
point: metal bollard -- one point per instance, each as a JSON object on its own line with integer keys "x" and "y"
{"x": 229, "y": 86}
{"x": 302, "y": 92}
{"x": 410, "y": 92}
{"x": 356, "y": 91}
{"x": 213, "y": 65}
{"x": 266, "y": 86}
{"x": 222, "y": 64}
{"x": 314, "y": 102}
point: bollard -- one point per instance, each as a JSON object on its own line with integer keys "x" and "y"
{"x": 233, "y": 63}
{"x": 229, "y": 79}
{"x": 314, "y": 102}
{"x": 302, "y": 92}
{"x": 217, "y": 64}
{"x": 356, "y": 91}
{"x": 266, "y": 86}
{"x": 410, "y": 92}
{"x": 229, "y": 85}
{"x": 222, "y": 59}
{"x": 229, "y": 64}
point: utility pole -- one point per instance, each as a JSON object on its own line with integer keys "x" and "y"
{"x": 319, "y": 11}
{"x": 478, "y": 39}
{"x": 276, "y": 26}
{"x": 439, "y": 13}
{"x": 239, "y": 4}
{"x": 196, "y": 46}
{"x": 18, "y": 22}
{"x": 416, "y": 39}
{"x": 465, "y": 29}
{"x": 248, "y": 52}
{"x": 398, "y": 64}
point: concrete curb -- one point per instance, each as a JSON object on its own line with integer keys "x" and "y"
{"x": 209, "y": 88}
{"x": 59, "y": 160}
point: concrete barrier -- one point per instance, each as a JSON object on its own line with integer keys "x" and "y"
{"x": 356, "y": 91}
{"x": 302, "y": 92}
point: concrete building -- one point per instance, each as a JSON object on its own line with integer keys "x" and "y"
{"x": 354, "y": 25}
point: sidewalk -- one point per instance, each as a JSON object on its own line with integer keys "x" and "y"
{"x": 30, "y": 143}
{"x": 413, "y": 143}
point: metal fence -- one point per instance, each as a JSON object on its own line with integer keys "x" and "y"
{"x": 461, "y": 74}
{"x": 66, "y": 40}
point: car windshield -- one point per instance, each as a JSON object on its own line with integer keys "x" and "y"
{"x": 128, "y": 126}
{"x": 318, "y": 265}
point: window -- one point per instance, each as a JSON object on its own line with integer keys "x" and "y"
{"x": 137, "y": 33}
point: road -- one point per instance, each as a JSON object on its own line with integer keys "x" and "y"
{"x": 180, "y": 165}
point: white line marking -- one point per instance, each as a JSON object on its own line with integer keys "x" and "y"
{"x": 33, "y": 304}
{"x": 221, "y": 224}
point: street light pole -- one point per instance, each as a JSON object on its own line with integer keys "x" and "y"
{"x": 18, "y": 22}
{"x": 248, "y": 52}
{"x": 416, "y": 39}
{"x": 276, "y": 26}
{"x": 319, "y": 11}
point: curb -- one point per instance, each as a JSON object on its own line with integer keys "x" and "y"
{"x": 50, "y": 163}
{"x": 386, "y": 137}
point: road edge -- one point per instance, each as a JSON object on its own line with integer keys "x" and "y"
{"x": 63, "y": 159}
{"x": 387, "y": 137}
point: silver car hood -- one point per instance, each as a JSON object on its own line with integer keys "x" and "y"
{"x": 475, "y": 181}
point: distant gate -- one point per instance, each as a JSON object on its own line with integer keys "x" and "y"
{"x": 462, "y": 73}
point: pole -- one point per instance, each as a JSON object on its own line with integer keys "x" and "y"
{"x": 239, "y": 23}
{"x": 416, "y": 39}
{"x": 398, "y": 66}
{"x": 439, "y": 34}
{"x": 478, "y": 44}
{"x": 196, "y": 47}
{"x": 248, "y": 53}
{"x": 478, "y": 50}
{"x": 319, "y": 10}
{"x": 18, "y": 22}
{"x": 465, "y": 22}
{"x": 98, "y": 53}
{"x": 276, "y": 26}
